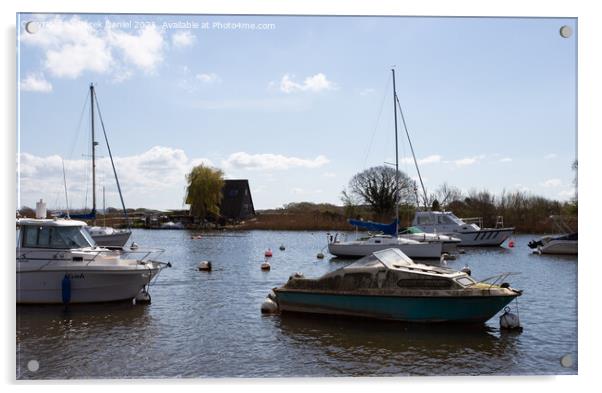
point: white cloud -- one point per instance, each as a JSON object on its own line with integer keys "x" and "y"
{"x": 329, "y": 174}
{"x": 506, "y": 159}
{"x": 367, "y": 91}
{"x": 36, "y": 82}
{"x": 182, "y": 39}
{"x": 432, "y": 159}
{"x": 314, "y": 83}
{"x": 158, "y": 170}
{"x": 242, "y": 160}
{"x": 467, "y": 161}
{"x": 74, "y": 46}
{"x": 208, "y": 78}
{"x": 550, "y": 156}
{"x": 568, "y": 193}
{"x": 551, "y": 183}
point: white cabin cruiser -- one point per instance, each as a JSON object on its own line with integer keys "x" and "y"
{"x": 367, "y": 245}
{"x": 560, "y": 244}
{"x": 58, "y": 262}
{"x": 447, "y": 223}
{"x": 109, "y": 237}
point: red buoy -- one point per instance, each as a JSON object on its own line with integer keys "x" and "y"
{"x": 511, "y": 244}
{"x": 268, "y": 253}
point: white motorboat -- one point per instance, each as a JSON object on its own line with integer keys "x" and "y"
{"x": 560, "y": 244}
{"x": 172, "y": 225}
{"x": 450, "y": 243}
{"x": 109, "y": 237}
{"x": 370, "y": 244}
{"x": 58, "y": 262}
{"x": 446, "y": 223}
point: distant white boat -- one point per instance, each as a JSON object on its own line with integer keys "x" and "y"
{"x": 368, "y": 245}
{"x": 559, "y": 244}
{"x": 450, "y": 243}
{"x": 59, "y": 262}
{"x": 446, "y": 223}
{"x": 172, "y": 225}
{"x": 109, "y": 237}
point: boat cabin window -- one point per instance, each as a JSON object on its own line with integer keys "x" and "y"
{"x": 445, "y": 220}
{"x": 55, "y": 237}
{"x": 465, "y": 281}
{"x": 425, "y": 219}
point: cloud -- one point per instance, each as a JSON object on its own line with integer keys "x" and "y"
{"x": 550, "y": 156}
{"x": 36, "y": 82}
{"x": 242, "y": 160}
{"x": 329, "y": 174}
{"x": 568, "y": 193}
{"x": 208, "y": 78}
{"x": 314, "y": 83}
{"x": 368, "y": 91}
{"x": 155, "y": 171}
{"x": 432, "y": 159}
{"x": 182, "y": 39}
{"x": 550, "y": 183}
{"x": 467, "y": 160}
{"x": 506, "y": 159}
{"x": 74, "y": 46}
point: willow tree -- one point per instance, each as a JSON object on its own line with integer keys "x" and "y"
{"x": 204, "y": 190}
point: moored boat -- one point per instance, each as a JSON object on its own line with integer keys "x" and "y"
{"x": 57, "y": 261}
{"x": 560, "y": 244}
{"x": 389, "y": 285}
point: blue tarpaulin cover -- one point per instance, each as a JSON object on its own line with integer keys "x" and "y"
{"x": 387, "y": 229}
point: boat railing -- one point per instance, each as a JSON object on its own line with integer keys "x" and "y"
{"x": 59, "y": 254}
{"x": 146, "y": 253}
{"x": 473, "y": 220}
{"x": 498, "y": 278}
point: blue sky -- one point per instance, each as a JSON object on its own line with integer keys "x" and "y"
{"x": 298, "y": 107}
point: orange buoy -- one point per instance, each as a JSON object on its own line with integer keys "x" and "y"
{"x": 511, "y": 244}
{"x": 268, "y": 252}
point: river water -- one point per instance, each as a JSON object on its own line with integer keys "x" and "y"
{"x": 209, "y": 324}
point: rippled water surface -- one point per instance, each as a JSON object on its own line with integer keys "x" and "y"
{"x": 209, "y": 324}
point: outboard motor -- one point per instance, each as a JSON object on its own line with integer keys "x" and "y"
{"x": 535, "y": 243}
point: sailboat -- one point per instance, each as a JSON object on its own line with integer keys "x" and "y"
{"x": 103, "y": 236}
{"x": 389, "y": 238}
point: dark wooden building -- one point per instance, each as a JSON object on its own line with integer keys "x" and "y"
{"x": 237, "y": 203}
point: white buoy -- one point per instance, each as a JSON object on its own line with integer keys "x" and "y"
{"x": 269, "y": 306}
{"x": 205, "y": 266}
{"x": 509, "y": 321}
{"x": 265, "y": 266}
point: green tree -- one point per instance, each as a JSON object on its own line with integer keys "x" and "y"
{"x": 376, "y": 187}
{"x": 204, "y": 190}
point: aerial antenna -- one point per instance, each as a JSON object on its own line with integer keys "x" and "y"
{"x": 65, "y": 184}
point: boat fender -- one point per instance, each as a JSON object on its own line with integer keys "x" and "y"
{"x": 66, "y": 289}
{"x": 466, "y": 270}
{"x": 509, "y": 321}
{"x": 143, "y": 297}
{"x": 205, "y": 266}
{"x": 511, "y": 244}
{"x": 320, "y": 255}
{"x": 269, "y": 306}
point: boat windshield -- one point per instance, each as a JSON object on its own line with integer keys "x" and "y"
{"x": 388, "y": 257}
{"x": 411, "y": 231}
{"x": 455, "y": 218}
{"x": 66, "y": 237}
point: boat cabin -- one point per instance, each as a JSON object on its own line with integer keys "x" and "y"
{"x": 436, "y": 221}
{"x": 387, "y": 270}
{"x": 54, "y": 234}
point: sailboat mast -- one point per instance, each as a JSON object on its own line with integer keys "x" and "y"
{"x": 396, "y": 152}
{"x": 93, "y": 151}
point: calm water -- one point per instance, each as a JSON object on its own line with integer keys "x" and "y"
{"x": 209, "y": 324}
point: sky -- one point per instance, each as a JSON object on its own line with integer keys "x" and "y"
{"x": 297, "y": 105}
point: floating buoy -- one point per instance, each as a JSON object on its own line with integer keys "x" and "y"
{"x": 196, "y": 237}
{"x": 265, "y": 266}
{"x": 134, "y": 246}
{"x": 205, "y": 266}
{"x": 509, "y": 321}
{"x": 269, "y": 306}
{"x": 282, "y": 248}
{"x": 143, "y": 297}
{"x": 268, "y": 253}
{"x": 320, "y": 256}
{"x": 466, "y": 270}
{"x": 511, "y": 244}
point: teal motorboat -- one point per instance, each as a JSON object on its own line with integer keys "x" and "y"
{"x": 388, "y": 285}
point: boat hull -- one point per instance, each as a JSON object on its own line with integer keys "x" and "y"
{"x": 460, "y": 309}
{"x": 415, "y": 251}
{"x": 483, "y": 237}
{"x": 87, "y": 286}
{"x": 559, "y": 247}
{"x": 114, "y": 240}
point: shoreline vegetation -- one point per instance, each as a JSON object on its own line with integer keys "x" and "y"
{"x": 528, "y": 214}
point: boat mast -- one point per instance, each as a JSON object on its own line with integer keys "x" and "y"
{"x": 396, "y": 155}
{"x": 94, "y": 143}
